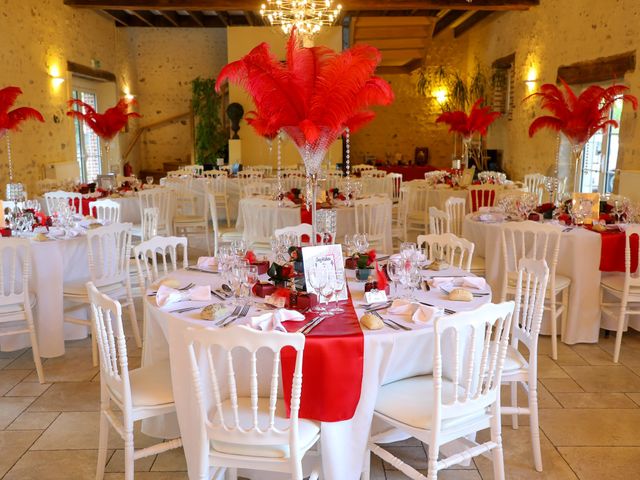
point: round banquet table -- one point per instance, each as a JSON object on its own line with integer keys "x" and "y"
{"x": 579, "y": 259}
{"x": 129, "y": 206}
{"x": 258, "y": 215}
{"x": 389, "y": 355}
{"x": 53, "y": 262}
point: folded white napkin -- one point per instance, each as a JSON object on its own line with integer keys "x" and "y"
{"x": 419, "y": 313}
{"x": 273, "y": 320}
{"x": 208, "y": 263}
{"x": 167, "y": 295}
{"x": 465, "y": 282}
{"x": 57, "y": 232}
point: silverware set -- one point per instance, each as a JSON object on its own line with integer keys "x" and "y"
{"x": 313, "y": 323}
{"x": 239, "y": 312}
{"x": 182, "y": 289}
{"x": 390, "y": 323}
{"x": 448, "y": 311}
{"x": 472, "y": 293}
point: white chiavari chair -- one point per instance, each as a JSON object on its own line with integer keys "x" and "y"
{"x": 456, "y": 209}
{"x": 54, "y": 199}
{"x": 218, "y": 186}
{"x": 193, "y": 170}
{"x": 439, "y": 221}
{"x": 259, "y": 221}
{"x": 293, "y": 181}
{"x": 16, "y": 301}
{"x": 250, "y": 175}
{"x": 416, "y": 211}
{"x": 531, "y": 286}
{"x": 149, "y": 223}
{"x": 159, "y": 198}
{"x": 334, "y": 180}
{"x": 370, "y": 221}
{"x": 158, "y": 257}
{"x": 107, "y": 211}
{"x": 457, "y": 251}
{"x": 461, "y": 396}
{"x": 265, "y": 170}
{"x": 256, "y": 188}
{"x": 482, "y": 195}
{"x": 540, "y": 242}
{"x": 535, "y": 183}
{"x": 108, "y": 251}
{"x": 137, "y": 394}
{"x": 188, "y": 218}
{"x": 250, "y": 429}
{"x": 215, "y": 173}
{"x": 394, "y": 185}
{"x": 625, "y": 288}
{"x": 304, "y": 229}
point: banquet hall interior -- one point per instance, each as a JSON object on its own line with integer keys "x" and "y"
{"x": 336, "y": 239}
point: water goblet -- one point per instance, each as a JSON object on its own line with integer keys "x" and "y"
{"x": 149, "y": 180}
{"x": 394, "y": 268}
{"x": 317, "y": 280}
{"x": 338, "y": 286}
{"x": 251, "y": 278}
{"x": 361, "y": 242}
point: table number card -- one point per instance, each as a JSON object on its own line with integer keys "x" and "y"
{"x": 324, "y": 257}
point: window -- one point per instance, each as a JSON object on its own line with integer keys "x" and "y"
{"x": 503, "y": 82}
{"x": 88, "y": 152}
{"x": 600, "y": 156}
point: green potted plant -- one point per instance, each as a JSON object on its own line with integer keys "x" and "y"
{"x": 210, "y": 137}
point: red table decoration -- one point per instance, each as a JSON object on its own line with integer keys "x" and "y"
{"x": 613, "y": 251}
{"x": 333, "y": 364}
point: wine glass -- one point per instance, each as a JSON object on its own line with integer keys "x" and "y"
{"x": 317, "y": 280}
{"x": 394, "y": 267}
{"x": 361, "y": 242}
{"x": 326, "y": 291}
{"x": 338, "y": 286}
{"x": 251, "y": 278}
{"x": 414, "y": 277}
{"x": 239, "y": 247}
{"x": 149, "y": 180}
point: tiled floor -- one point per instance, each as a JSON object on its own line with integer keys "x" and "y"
{"x": 589, "y": 415}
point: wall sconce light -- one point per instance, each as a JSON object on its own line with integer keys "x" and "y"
{"x": 440, "y": 95}
{"x": 56, "y": 77}
{"x": 532, "y": 79}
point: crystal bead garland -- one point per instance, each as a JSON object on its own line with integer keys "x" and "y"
{"x": 280, "y": 197}
{"x": 347, "y": 165}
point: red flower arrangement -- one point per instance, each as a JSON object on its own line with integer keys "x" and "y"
{"x": 108, "y": 124}
{"x": 578, "y": 117}
{"x": 477, "y": 121}
{"x": 317, "y": 88}
{"x": 10, "y": 120}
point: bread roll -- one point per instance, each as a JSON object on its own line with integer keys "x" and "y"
{"x": 460, "y": 295}
{"x": 40, "y": 237}
{"x": 371, "y": 321}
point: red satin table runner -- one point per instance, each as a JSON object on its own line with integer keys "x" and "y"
{"x": 331, "y": 369}
{"x": 612, "y": 251}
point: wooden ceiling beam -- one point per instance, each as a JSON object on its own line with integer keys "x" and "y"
{"x": 350, "y": 5}
{"x": 471, "y": 22}
{"x": 396, "y": 43}
{"x": 402, "y": 54}
{"x": 119, "y": 17}
{"x": 196, "y": 17}
{"x": 446, "y": 20}
{"x": 145, "y": 17}
{"x": 171, "y": 17}
{"x": 224, "y": 18}
{"x": 603, "y": 69}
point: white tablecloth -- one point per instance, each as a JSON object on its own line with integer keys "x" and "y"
{"x": 53, "y": 263}
{"x": 389, "y": 355}
{"x": 579, "y": 259}
{"x": 254, "y": 212}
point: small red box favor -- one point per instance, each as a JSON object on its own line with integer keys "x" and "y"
{"x": 6, "y": 232}
{"x": 351, "y": 263}
{"x": 262, "y": 265}
{"x": 262, "y": 289}
{"x": 303, "y": 301}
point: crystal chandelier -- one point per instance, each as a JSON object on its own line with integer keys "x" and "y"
{"x": 307, "y": 16}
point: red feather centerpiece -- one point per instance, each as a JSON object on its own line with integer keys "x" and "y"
{"x": 578, "y": 117}
{"x": 9, "y": 121}
{"x": 106, "y": 125}
{"x": 477, "y": 121}
{"x": 314, "y": 97}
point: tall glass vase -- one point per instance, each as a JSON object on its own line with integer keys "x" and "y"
{"x": 576, "y": 165}
{"x": 466, "y": 149}
{"x": 312, "y": 154}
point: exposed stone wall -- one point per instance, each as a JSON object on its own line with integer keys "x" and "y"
{"x": 544, "y": 38}
{"x": 38, "y": 36}
{"x": 167, "y": 60}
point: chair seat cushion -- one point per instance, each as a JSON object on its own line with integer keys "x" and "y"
{"x": 513, "y": 362}
{"x": 308, "y": 430}
{"x": 150, "y": 385}
{"x": 410, "y": 401}
{"x": 79, "y": 289}
{"x": 17, "y": 307}
{"x": 615, "y": 283}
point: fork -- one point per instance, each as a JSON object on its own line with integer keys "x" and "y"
{"x": 243, "y": 314}
{"x": 236, "y": 311}
{"x": 391, "y": 323}
{"x": 186, "y": 287}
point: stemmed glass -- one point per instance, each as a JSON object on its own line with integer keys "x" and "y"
{"x": 317, "y": 280}
{"x": 338, "y": 286}
{"x": 414, "y": 278}
{"x": 326, "y": 291}
{"x": 394, "y": 269}
{"x": 238, "y": 279}
{"x": 149, "y": 180}
{"x": 251, "y": 278}
{"x": 360, "y": 242}
{"x": 239, "y": 248}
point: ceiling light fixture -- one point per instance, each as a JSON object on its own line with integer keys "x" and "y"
{"x": 307, "y": 16}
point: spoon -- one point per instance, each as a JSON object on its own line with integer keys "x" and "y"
{"x": 227, "y": 289}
